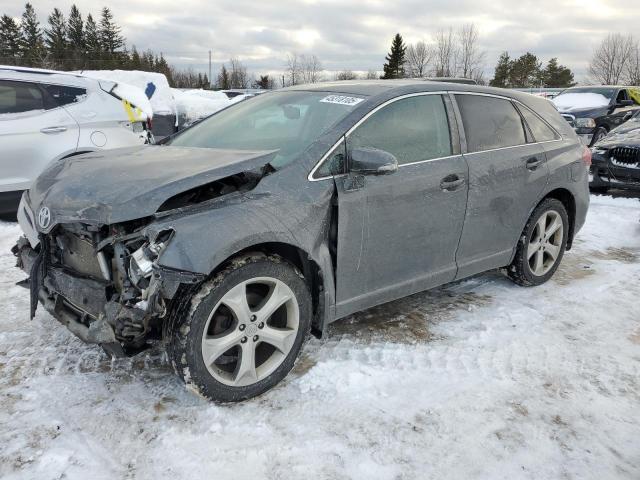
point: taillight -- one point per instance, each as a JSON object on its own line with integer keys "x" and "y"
{"x": 586, "y": 156}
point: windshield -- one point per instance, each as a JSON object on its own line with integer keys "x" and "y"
{"x": 585, "y": 97}
{"x": 284, "y": 121}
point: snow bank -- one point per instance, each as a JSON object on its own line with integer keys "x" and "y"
{"x": 162, "y": 101}
{"x": 192, "y": 105}
{"x": 576, "y": 101}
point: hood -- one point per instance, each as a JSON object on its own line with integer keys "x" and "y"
{"x": 626, "y": 135}
{"x": 125, "y": 184}
{"x": 585, "y": 112}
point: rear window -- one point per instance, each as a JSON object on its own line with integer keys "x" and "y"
{"x": 19, "y": 97}
{"x": 63, "y": 95}
{"x": 540, "y": 130}
{"x": 490, "y": 123}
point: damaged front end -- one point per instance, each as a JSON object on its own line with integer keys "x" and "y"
{"x": 103, "y": 283}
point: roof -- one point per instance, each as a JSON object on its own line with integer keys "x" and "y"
{"x": 373, "y": 88}
{"x": 12, "y": 72}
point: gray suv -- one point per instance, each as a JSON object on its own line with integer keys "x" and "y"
{"x": 239, "y": 236}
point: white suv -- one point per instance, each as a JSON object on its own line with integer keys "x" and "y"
{"x": 47, "y": 115}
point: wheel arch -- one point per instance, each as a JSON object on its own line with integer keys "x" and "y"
{"x": 569, "y": 202}
{"x": 314, "y": 275}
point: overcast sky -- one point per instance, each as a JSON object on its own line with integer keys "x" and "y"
{"x": 350, "y": 34}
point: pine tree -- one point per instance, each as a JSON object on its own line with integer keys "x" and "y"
{"x": 526, "y": 72}
{"x": 394, "y": 68}
{"x": 502, "y": 72}
{"x": 110, "y": 38}
{"x": 135, "y": 62}
{"x": 557, "y": 76}
{"x": 10, "y": 39}
{"x": 224, "y": 82}
{"x": 33, "y": 50}
{"x": 56, "y": 38}
{"x": 75, "y": 38}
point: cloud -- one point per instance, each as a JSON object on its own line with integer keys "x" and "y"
{"x": 355, "y": 34}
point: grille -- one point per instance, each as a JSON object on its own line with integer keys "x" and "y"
{"x": 625, "y": 156}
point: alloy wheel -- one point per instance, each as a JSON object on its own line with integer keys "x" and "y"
{"x": 545, "y": 244}
{"x": 250, "y": 331}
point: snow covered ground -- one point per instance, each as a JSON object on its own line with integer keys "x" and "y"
{"x": 480, "y": 379}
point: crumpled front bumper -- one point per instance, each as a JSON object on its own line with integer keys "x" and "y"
{"x": 78, "y": 303}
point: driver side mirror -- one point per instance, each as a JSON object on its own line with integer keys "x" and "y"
{"x": 372, "y": 161}
{"x": 624, "y": 103}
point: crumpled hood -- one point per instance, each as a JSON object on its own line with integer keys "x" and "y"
{"x": 626, "y": 135}
{"x": 125, "y": 184}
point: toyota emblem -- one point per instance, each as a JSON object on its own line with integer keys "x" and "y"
{"x": 44, "y": 217}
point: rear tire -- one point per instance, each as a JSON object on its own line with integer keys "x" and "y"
{"x": 241, "y": 332}
{"x": 541, "y": 245}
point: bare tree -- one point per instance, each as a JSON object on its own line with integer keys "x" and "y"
{"x": 611, "y": 58}
{"x": 470, "y": 57}
{"x": 445, "y": 54}
{"x": 372, "y": 75}
{"x": 311, "y": 69}
{"x": 633, "y": 67}
{"x": 346, "y": 75}
{"x": 292, "y": 69}
{"x": 238, "y": 76}
{"x": 419, "y": 57}
{"x": 303, "y": 69}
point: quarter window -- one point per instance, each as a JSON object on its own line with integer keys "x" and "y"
{"x": 490, "y": 123}
{"x": 413, "y": 129}
{"x": 540, "y": 130}
{"x": 18, "y": 97}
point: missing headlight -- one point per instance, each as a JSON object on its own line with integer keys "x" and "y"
{"x": 142, "y": 260}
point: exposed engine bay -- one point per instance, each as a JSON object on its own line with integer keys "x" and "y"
{"x": 103, "y": 284}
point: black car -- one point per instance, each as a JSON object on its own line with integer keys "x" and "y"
{"x": 616, "y": 158}
{"x": 594, "y": 111}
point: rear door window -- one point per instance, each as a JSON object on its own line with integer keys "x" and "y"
{"x": 19, "y": 97}
{"x": 490, "y": 123}
{"x": 540, "y": 130}
{"x": 413, "y": 129}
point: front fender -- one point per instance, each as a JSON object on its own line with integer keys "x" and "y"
{"x": 205, "y": 237}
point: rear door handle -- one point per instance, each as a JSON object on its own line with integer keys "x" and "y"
{"x": 49, "y": 130}
{"x": 451, "y": 183}
{"x": 533, "y": 163}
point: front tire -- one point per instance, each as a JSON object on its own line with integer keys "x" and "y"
{"x": 600, "y": 133}
{"x": 241, "y": 333}
{"x": 541, "y": 245}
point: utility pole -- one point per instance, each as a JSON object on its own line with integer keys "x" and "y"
{"x": 209, "y": 69}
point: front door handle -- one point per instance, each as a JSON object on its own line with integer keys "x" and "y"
{"x": 451, "y": 183}
{"x": 533, "y": 163}
{"x": 49, "y": 130}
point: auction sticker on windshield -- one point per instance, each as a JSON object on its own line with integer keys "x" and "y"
{"x": 341, "y": 100}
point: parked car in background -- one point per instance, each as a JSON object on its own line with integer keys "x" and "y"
{"x": 48, "y": 115}
{"x": 594, "y": 111}
{"x": 155, "y": 87}
{"x": 616, "y": 158}
{"x": 547, "y": 93}
{"x": 280, "y": 214}
{"x": 194, "y": 104}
